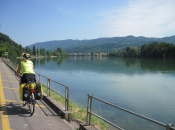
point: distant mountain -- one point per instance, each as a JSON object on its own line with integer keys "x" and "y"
{"x": 100, "y": 44}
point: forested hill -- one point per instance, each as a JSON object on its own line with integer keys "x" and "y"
{"x": 9, "y": 46}
{"x": 100, "y": 44}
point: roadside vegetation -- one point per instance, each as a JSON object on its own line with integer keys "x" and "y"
{"x": 77, "y": 111}
{"x": 8, "y": 48}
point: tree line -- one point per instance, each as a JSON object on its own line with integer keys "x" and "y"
{"x": 151, "y": 50}
{"x": 11, "y": 50}
{"x": 42, "y": 52}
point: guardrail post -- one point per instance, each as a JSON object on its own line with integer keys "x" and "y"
{"x": 67, "y": 98}
{"x": 38, "y": 78}
{"x": 48, "y": 87}
{"x": 169, "y": 126}
{"x": 89, "y": 107}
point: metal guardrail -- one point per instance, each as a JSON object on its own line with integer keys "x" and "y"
{"x": 49, "y": 88}
{"x": 14, "y": 66}
{"x": 89, "y": 112}
{"x": 10, "y": 64}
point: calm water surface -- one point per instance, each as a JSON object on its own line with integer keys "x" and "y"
{"x": 145, "y": 86}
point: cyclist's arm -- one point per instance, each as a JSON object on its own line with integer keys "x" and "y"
{"x": 18, "y": 70}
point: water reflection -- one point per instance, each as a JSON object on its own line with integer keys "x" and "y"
{"x": 109, "y": 64}
{"x": 43, "y": 61}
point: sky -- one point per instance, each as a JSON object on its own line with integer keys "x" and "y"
{"x": 30, "y": 21}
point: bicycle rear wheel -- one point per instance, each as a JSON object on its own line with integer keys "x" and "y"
{"x": 32, "y": 104}
{"x": 32, "y": 108}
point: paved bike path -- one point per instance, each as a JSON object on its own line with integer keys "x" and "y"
{"x": 15, "y": 116}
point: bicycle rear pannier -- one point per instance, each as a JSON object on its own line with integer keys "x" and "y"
{"x": 38, "y": 92}
{"x": 25, "y": 94}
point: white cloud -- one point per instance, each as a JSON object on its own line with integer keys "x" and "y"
{"x": 150, "y": 18}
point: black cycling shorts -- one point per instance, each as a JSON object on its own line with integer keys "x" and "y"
{"x": 26, "y": 77}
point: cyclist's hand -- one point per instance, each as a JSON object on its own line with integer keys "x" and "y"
{"x": 17, "y": 74}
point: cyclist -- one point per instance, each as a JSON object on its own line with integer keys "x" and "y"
{"x": 27, "y": 69}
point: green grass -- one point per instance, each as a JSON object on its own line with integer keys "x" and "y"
{"x": 77, "y": 111}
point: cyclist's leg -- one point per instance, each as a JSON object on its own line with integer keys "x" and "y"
{"x": 21, "y": 81}
{"x": 24, "y": 78}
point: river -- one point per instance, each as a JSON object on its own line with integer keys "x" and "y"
{"x": 144, "y": 86}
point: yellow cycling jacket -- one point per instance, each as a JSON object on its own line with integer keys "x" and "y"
{"x": 27, "y": 67}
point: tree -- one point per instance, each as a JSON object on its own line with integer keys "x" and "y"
{"x": 27, "y": 49}
{"x": 157, "y": 50}
{"x": 55, "y": 53}
{"x": 48, "y": 53}
{"x": 144, "y": 50}
{"x": 131, "y": 52}
{"x": 59, "y": 50}
{"x": 37, "y": 52}
{"x": 34, "y": 50}
{"x": 42, "y": 52}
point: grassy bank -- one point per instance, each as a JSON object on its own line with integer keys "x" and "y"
{"x": 77, "y": 111}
